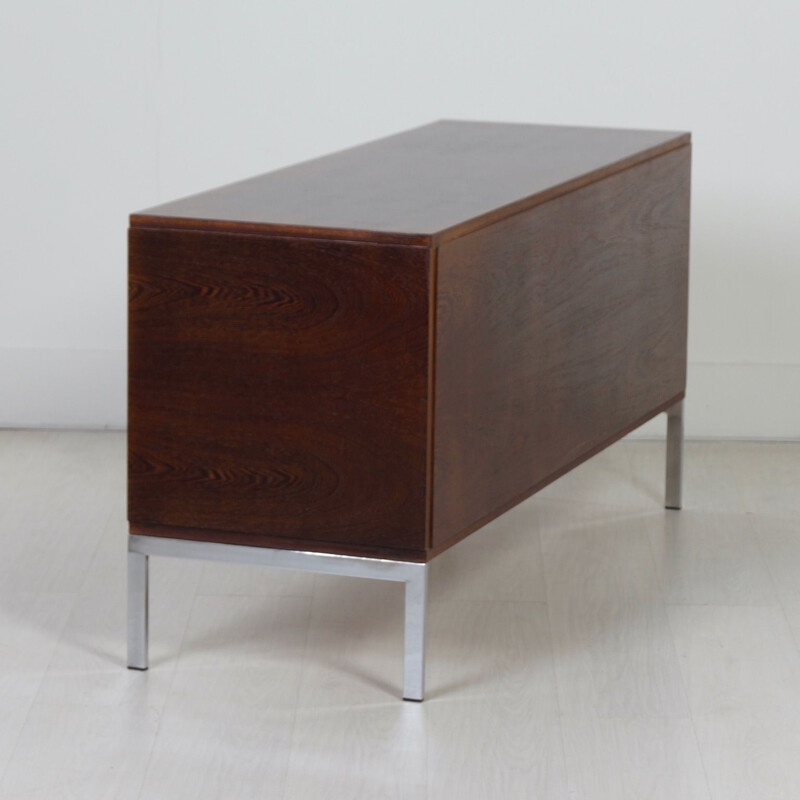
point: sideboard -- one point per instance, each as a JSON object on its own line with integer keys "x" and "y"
{"x": 349, "y": 365}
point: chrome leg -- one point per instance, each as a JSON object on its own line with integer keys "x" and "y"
{"x": 674, "y": 455}
{"x": 414, "y": 655}
{"x": 137, "y": 610}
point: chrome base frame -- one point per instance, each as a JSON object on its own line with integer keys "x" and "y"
{"x": 674, "y": 455}
{"x": 413, "y": 575}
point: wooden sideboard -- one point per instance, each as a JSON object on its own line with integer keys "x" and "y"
{"x": 374, "y": 353}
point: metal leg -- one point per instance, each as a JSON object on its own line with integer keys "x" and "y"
{"x": 137, "y": 610}
{"x": 414, "y": 655}
{"x": 674, "y": 455}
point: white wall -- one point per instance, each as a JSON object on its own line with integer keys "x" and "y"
{"x": 108, "y": 107}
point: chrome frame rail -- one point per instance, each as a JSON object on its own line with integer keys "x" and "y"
{"x": 414, "y": 575}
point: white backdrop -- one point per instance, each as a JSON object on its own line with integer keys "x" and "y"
{"x": 109, "y": 107}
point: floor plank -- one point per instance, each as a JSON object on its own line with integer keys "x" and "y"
{"x": 612, "y": 646}
{"x": 632, "y": 758}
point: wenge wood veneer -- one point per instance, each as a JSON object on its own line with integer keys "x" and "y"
{"x": 377, "y": 352}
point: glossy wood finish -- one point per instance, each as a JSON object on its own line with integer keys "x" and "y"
{"x": 557, "y": 331}
{"x": 423, "y": 186}
{"x": 278, "y": 387}
{"x": 377, "y": 352}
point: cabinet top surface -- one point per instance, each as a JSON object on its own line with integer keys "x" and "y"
{"x": 421, "y": 186}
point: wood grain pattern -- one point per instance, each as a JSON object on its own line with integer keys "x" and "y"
{"x": 557, "y": 330}
{"x": 278, "y": 387}
{"x": 423, "y": 186}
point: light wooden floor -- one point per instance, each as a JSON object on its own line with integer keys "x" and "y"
{"x": 608, "y": 649}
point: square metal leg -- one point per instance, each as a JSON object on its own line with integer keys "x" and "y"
{"x": 414, "y": 655}
{"x": 137, "y": 610}
{"x": 674, "y": 455}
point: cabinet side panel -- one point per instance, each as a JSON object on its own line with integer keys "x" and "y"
{"x": 278, "y": 388}
{"x": 558, "y": 330}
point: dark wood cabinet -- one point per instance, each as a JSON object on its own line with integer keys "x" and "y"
{"x": 376, "y": 352}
